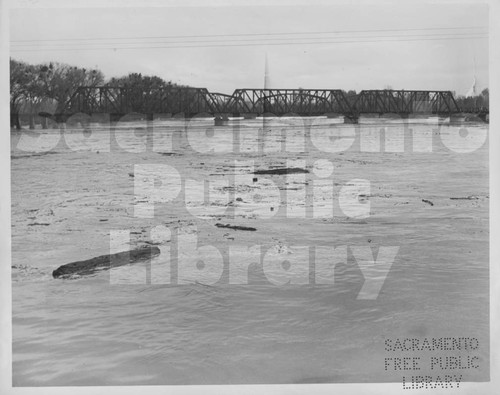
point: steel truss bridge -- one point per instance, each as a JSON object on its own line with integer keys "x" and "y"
{"x": 119, "y": 101}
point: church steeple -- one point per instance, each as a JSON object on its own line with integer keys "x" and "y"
{"x": 472, "y": 91}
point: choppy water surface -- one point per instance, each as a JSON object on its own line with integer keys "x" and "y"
{"x": 138, "y": 329}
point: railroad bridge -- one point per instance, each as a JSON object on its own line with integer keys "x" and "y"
{"x": 119, "y": 101}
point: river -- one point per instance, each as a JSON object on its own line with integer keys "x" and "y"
{"x": 428, "y": 198}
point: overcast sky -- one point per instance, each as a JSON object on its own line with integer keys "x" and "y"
{"x": 429, "y": 47}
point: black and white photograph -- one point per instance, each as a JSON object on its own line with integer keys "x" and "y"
{"x": 249, "y": 197}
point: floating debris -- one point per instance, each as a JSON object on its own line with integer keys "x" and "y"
{"x": 169, "y": 153}
{"x": 363, "y": 197}
{"x": 428, "y": 202}
{"x": 105, "y": 262}
{"x": 235, "y": 227}
{"x": 282, "y": 170}
{"x": 465, "y": 198}
{"x": 155, "y": 243}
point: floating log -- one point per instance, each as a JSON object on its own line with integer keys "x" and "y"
{"x": 169, "y": 153}
{"x": 104, "y": 262}
{"x": 465, "y": 198}
{"x": 283, "y": 170}
{"x": 428, "y": 202}
{"x": 235, "y": 227}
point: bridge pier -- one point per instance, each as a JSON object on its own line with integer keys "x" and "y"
{"x": 332, "y": 115}
{"x": 485, "y": 117}
{"x": 115, "y": 117}
{"x": 221, "y": 120}
{"x": 351, "y": 119}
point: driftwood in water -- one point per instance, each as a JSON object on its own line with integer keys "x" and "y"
{"x": 283, "y": 170}
{"x": 235, "y": 227}
{"x": 104, "y": 262}
{"x": 465, "y": 198}
{"x": 428, "y": 202}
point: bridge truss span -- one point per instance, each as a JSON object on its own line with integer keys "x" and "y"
{"x": 404, "y": 102}
{"x": 189, "y": 101}
{"x": 125, "y": 100}
{"x": 304, "y": 102}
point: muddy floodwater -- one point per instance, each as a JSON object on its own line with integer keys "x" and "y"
{"x": 423, "y": 191}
